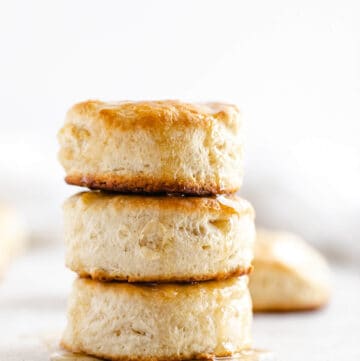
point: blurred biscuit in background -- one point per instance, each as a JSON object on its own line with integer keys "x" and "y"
{"x": 289, "y": 274}
{"x": 12, "y": 236}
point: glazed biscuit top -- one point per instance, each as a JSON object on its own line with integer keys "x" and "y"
{"x": 129, "y": 114}
{"x": 226, "y": 204}
{"x": 167, "y": 291}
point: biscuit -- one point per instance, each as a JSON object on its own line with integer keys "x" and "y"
{"x": 12, "y": 237}
{"x": 153, "y": 147}
{"x": 158, "y": 238}
{"x": 289, "y": 275}
{"x": 123, "y": 321}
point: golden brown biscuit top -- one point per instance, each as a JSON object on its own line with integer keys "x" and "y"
{"x": 126, "y": 114}
{"x": 229, "y": 204}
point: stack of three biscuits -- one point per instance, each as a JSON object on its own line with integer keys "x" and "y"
{"x": 162, "y": 272}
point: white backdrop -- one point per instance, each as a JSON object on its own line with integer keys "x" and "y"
{"x": 293, "y": 67}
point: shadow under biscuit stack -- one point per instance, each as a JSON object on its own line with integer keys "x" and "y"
{"x": 161, "y": 244}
